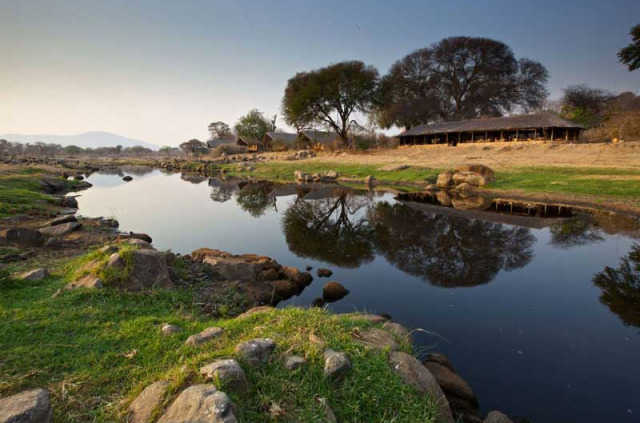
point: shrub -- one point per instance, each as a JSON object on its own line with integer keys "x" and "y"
{"x": 363, "y": 143}
{"x": 228, "y": 149}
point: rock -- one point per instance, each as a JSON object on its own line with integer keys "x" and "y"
{"x": 78, "y": 177}
{"x": 89, "y": 281}
{"x": 108, "y": 249}
{"x": 228, "y": 372}
{"x": 334, "y": 291}
{"x": 60, "y": 230}
{"x": 324, "y": 273}
{"x": 391, "y": 168}
{"x": 440, "y": 359}
{"x": 336, "y": 364}
{"x": 269, "y": 275}
{"x": 375, "y": 338}
{"x": 62, "y": 219}
{"x": 256, "y": 351}
{"x": 413, "y": 373}
{"x": 308, "y": 268}
{"x": 398, "y": 331}
{"x": 445, "y": 179}
{"x": 472, "y": 179}
{"x": 370, "y": 180}
{"x": 451, "y": 383}
{"x": 24, "y": 237}
{"x": 284, "y": 288}
{"x": 26, "y": 407}
{"x": 293, "y": 362}
{"x": 497, "y": 417}
{"x": 255, "y": 310}
{"x": 200, "y": 404}
{"x": 127, "y": 178}
{"x": 292, "y": 274}
{"x": 142, "y": 408}
{"x": 116, "y": 262}
{"x": 444, "y": 198}
{"x": 35, "y": 275}
{"x": 464, "y": 187}
{"x": 317, "y": 302}
{"x": 149, "y": 270}
{"x": 130, "y": 235}
{"x": 482, "y": 170}
{"x": 329, "y": 415}
{"x": 328, "y": 176}
{"x": 69, "y": 202}
{"x": 233, "y": 268}
{"x": 137, "y": 243}
{"x": 168, "y": 329}
{"x": 206, "y": 335}
{"x": 301, "y": 176}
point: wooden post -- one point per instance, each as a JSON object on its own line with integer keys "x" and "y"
{"x": 458, "y": 137}
{"x": 486, "y": 135}
{"x": 535, "y": 134}
{"x": 501, "y": 138}
{"x": 551, "y": 134}
{"x": 447, "y": 138}
{"x": 517, "y": 132}
{"x": 566, "y": 135}
{"x": 472, "y": 136}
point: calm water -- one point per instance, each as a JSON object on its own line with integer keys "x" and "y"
{"x": 515, "y": 307}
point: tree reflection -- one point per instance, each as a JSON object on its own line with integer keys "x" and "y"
{"x": 222, "y": 189}
{"x": 254, "y": 198}
{"x": 446, "y": 250}
{"x": 574, "y": 232}
{"x": 621, "y": 287}
{"x": 330, "y": 229}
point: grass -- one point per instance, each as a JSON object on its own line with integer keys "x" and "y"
{"x": 96, "y": 350}
{"x": 20, "y": 193}
{"x": 569, "y": 180}
{"x": 285, "y": 171}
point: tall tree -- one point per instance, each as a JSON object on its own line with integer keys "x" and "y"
{"x": 630, "y": 55}
{"x": 459, "y": 78}
{"x": 330, "y": 95}
{"x": 193, "y": 147}
{"x": 219, "y": 130}
{"x": 253, "y": 125}
{"x": 584, "y": 105}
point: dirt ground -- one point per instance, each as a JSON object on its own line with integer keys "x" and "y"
{"x": 501, "y": 155}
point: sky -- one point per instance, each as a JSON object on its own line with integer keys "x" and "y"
{"x": 162, "y": 70}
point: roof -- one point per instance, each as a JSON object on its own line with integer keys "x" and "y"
{"x": 217, "y": 142}
{"x": 285, "y": 137}
{"x": 541, "y": 120}
{"x": 249, "y": 140}
{"x": 320, "y": 136}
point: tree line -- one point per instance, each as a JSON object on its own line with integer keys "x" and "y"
{"x": 48, "y": 150}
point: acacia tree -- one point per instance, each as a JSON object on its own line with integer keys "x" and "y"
{"x": 459, "y": 78}
{"x": 219, "y": 130}
{"x": 584, "y": 105}
{"x": 193, "y": 147}
{"x": 330, "y": 95}
{"x": 630, "y": 55}
{"x": 254, "y": 125}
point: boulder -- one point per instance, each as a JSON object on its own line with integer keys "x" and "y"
{"x": 69, "y": 202}
{"x": 234, "y": 268}
{"x": 375, "y": 338}
{"x": 302, "y": 176}
{"x": 482, "y": 170}
{"x": 451, "y": 383}
{"x": 334, "y": 291}
{"x": 440, "y": 359}
{"x": 445, "y": 179}
{"x": 413, "y": 373}
{"x": 497, "y": 417}
{"x": 464, "y": 187}
{"x": 60, "y": 230}
{"x": 269, "y": 275}
{"x": 200, "y": 403}
{"x": 228, "y": 372}
{"x": 256, "y": 351}
{"x": 137, "y": 243}
{"x": 444, "y": 198}
{"x": 327, "y": 176}
{"x": 324, "y": 273}
{"x": 130, "y": 235}
{"x": 284, "y": 288}
{"x": 149, "y": 270}
{"x": 89, "y": 281}
{"x": 127, "y": 178}
{"x": 35, "y": 275}
{"x": 370, "y": 181}
{"x": 292, "y": 274}
{"x": 169, "y": 329}
{"x": 142, "y": 408}
{"x": 24, "y": 237}
{"x": 336, "y": 364}
{"x": 470, "y": 178}
{"x": 62, "y": 219}
{"x": 293, "y": 362}
{"x": 398, "y": 331}
{"x": 26, "y": 407}
{"x": 206, "y": 335}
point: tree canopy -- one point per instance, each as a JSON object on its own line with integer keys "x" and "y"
{"x": 459, "y": 78}
{"x": 630, "y": 55}
{"x": 330, "y": 96}
{"x": 193, "y": 147}
{"x": 219, "y": 130}
{"x": 254, "y": 125}
{"x": 584, "y": 105}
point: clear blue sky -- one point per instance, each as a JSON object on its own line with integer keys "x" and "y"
{"x": 162, "y": 70}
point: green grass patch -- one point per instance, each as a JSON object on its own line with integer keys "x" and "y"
{"x": 579, "y": 181}
{"x": 95, "y": 350}
{"x": 20, "y": 193}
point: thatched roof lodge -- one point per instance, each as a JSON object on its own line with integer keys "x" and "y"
{"x": 318, "y": 139}
{"x": 252, "y": 144}
{"x": 511, "y": 128}
{"x": 281, "y": 139}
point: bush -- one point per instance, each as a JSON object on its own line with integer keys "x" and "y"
{"x": 228, "y": 149}
{"x": 363, "y": 143}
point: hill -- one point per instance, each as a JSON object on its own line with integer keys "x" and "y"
{"x": 85, "y": 140}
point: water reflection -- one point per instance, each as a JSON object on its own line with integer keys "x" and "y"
{"x": 254, "y": 198}
{"x": 621, "y": 287}
{"x": 332, "y": 229}
{"x": 446, "y": 250}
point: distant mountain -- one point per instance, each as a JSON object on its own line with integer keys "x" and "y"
{"x": 88, "y": 139}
